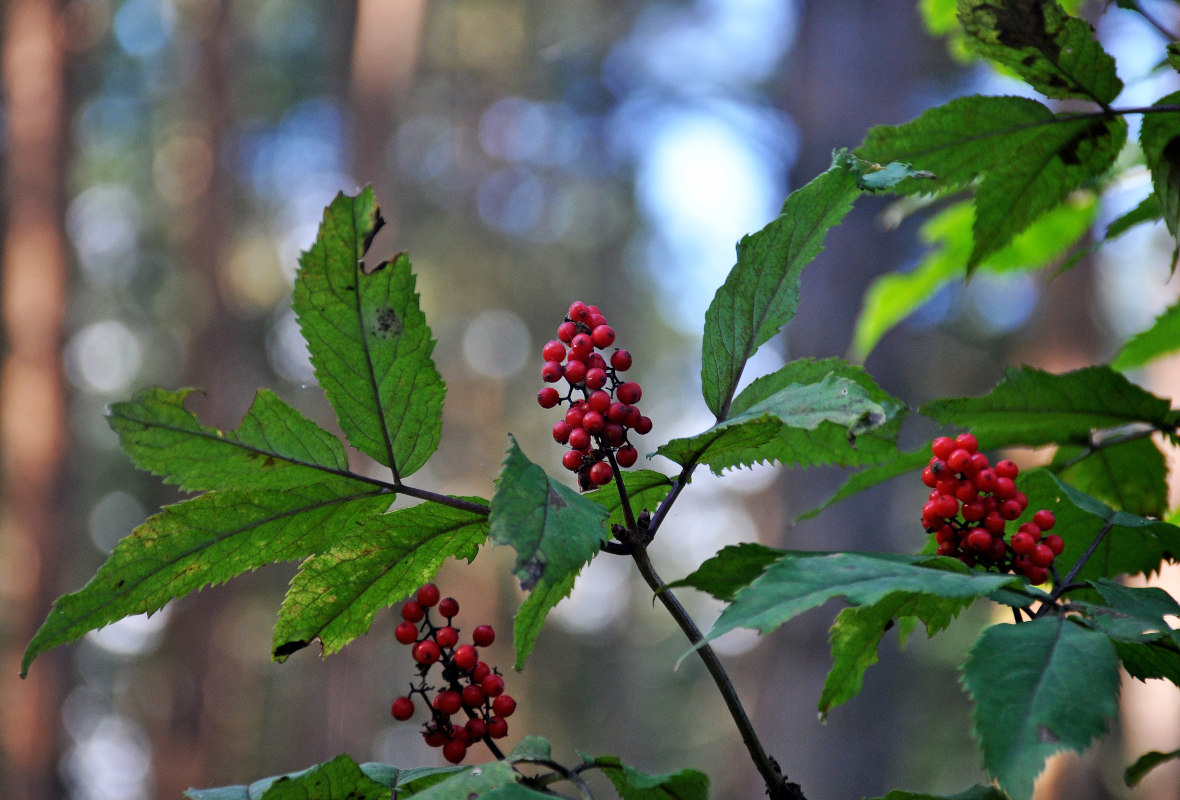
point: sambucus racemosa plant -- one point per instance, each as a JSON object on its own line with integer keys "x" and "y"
{"x": 278, "y": 487}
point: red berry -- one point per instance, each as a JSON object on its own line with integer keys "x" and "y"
{"x": 642, "y": 426}
{"x": 942, "y": 447}
{"x": 601, "y": 473}
{"x": 582, "y": 343}
{"x": 412, "y": 611}
{"x": 402, "y": 709}
{"x": 593, "y": 422}
{"x": 553, "y": 351}
{"x": 454, "y": 751}
{"x": 435, "y": 737}
{"x": 613, "y": 434}
{"x": 1041, "y": 555}
{"x": 994, "y": 522}
{"x": 599, "y": 401}
{"x": 1007, "y": 469}
{"x": 572, "y": 460}
{"x": 448, "y": 607}
{"x": 578, "y": 311}
{"x": 978, "y": 462}
{"x": 473, "y": 696}
{"x": 997, "y": 550}
{"x": 448, "y": 702}
{"x": 947, "y": 548}
{"x": 967, "y": 441}
{"x": 966, "y": 491}
{"x": 497, "y": 727}
{"x": 406, "y": 632}
{"x": 483, "y": 635}
{"x": 580, "y": 439}
{"x": 574, "y": 415}
{"x": 946, "y": 534}
{"x": 1055, "y": 543}
{"x": 1045, "y": 519}
{"x": 629, "y": 393}
{"x": 627, "y": 456}
{"x": 596, "y": 361}
{"x": 428, "y": 595}
{"x": 426, "y": 652}
{"x": 492, "y": 685}
{"x": 973, "y": 511}
{"x": 562, "y": 431}
{"x": 574, "y": 372}
{"x": 566, "y": 331}
{"x": 595, "y": 320}
{"x": 1010, "y": 509}
{"x": 946, "y": 506}
{"x": 466, "y": 657}
{"x": 548, "y": 397}
{"x": 620, "y": 360}
{"x": 603, "y": 336}
{"x": 476, "y": 729}
{"x": 503, "y": 706}
{"x": 1035, "y": 574}
{"x": 985, "y": 480}
{"x": 958, "y": 460}
{"x": 595, "y": 378}
{"x": 979, "y": 540}
{"x": 480, "y": 671}
{"x": 551, "y": 372}
{"x": 1005, "y": 488}
{"x": 447, "y": 636}
{"x": 928, "y": 477}
{"x": 1023, "y": 543}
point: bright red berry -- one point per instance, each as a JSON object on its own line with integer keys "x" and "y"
{"x": 503, "y": 706}
{"x": 427, "y": 595}
{"x": 578, "y": 311}
{"x": 466, "y": 657}
{"x": 946, "y": 506}
{"x": 426, "y": 652}
{"x": 553, "y": 351}
{"x": 551, "y": 372}
{"x": 454, "y": 751}
{"x": 548, "y": 397}
{"x": 561, "y": 431}
{"x": 629, "y": 393}
{"x": 574, "y": 415}
{"x": 483, "y": 635}
{"x": 566, "y": 331}
{"x": 1045, "y": 519}
{"x": 967, "y": 441}
{"x": 603, "y": 336}
{"x": 580, "y": 439}
{"x": 492, "y": 685}
{"x": 595, "y": 320}
{"x": 601, "y": 473}
{"x": 942, "y": 447}
{"x": 1005, "y": 488}
{"x": 621, "y": 360}
{"x": 581, "y": 343}
{"x": 402, "y": 709}
{"x": 593, "y": 422}
{"x": 599, "y": 401}
{"x": 406, "y": 632}
{"x": 979, "y": 540}
{"x": 448, "y": 702}
{"x": 412, "y": 611}
{"x": 447, "y": 636}
{"x": 1006, "y": 469}
{"x": 574, "y": 372}
{"x": 572, "y": 460}
{"x": 595, "y": 378}
{"x": 985, "y": 480}
{"x": 448, "y": 607}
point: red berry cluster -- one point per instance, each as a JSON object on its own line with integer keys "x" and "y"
{"x": 470, "y": 687}
{"x": 597, "y": 423}
{"x": 971, "y": 503}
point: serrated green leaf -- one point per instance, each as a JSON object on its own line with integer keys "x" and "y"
{"x": 380, "y": 561}
{"x": 477, "y": 781}
{"x": 1148, "y": 660}
{"x": 800, "y": 581}
{"x": 332, "y": 779}
{"x": 1159, "y": 136}
{"x": 826, "y": 443}
{"x": 895, "y": 295}
{"x": 1145, "y": 764}
{"x": 631, "y": 784}
{"x": 273, "y": 447}
{"x": 368, "y": 339}
{"x": 761, "y": 293}
{"x": 760, "y": 432}
{"x": 1027, "y": 158}
{"x": 1133, "y": 544}
{"x": 1132, "y": 613}
{"x": 734, "y": 567}
{"x": 879, "y": 177}
{"x": 204, "y": 541}
{"x": 1130, "y": 475}
{"x": 974, "y": 793}
{"x": 645, "y": 489}
{"x": 1055, "y": 53}
{"x": 857, "y": 632}
{"x": 1033, "y": 407}
{"x": 555, "y": 532}
{"x": 905, "y": 462}
{"x": 1026, "y": 681}
{"x": 1160, "y": 338}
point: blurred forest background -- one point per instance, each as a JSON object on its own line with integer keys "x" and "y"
{"x": 167, "y": 160}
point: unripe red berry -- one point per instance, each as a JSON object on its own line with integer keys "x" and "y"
{"x": 551, "y": 372}
{"x": 412, "y": 611}
{"x": 447, "y": 636}
{"x": 483, "y": 635}
{"x": 621, "y": 360}
{"x": 1045, "y": 519}
{"x": 601, "y": 473}
{"x": 629, "y": 393}
{"x": 566, "y": 331}
{"x": 402, "y": 708}
{"x": 427, "y": 595}
{"x": 425, "y": 652}
{"x": 454, "y": 751}
{"x": 466, "y": 657}
{"x": 406, "y": 632}
{"x": 503, "y": 706}
{"x": 942, "y": 447}
{"x": 497, "y": 728}
{"x": 548, "y": 397}
{"x": 561, "y": 431}
{"x": 572, "y": 460}
{"x": 627, "y": 456}
{"x": 448, "y": 607}
{"x": 492, "y": 685}
{"x": 448, "y": 702}
{"x": 603, "y": 336}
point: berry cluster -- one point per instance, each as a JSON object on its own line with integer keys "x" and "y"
{"x": 470, "y": 687}
{"x": 597, "y": 423}
{"x": 971, "y": 503}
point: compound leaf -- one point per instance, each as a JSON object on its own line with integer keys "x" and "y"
{"x": 1033, "y": 407}
{"x": 1055, "y": 53}
{"x": 205, "y": 541}
{"x": 1039, "y": 687}
{"x": 632, "y": 784}
{"x": 734, "y": 567}
{"x": 1133, "y": 614}
{"x": 1147, "y": 660}
{"x": 273, "y": 447}
{"x": 555, "y": 532}
{"x": 381, "y": 560}
{"x": 760, "y": 432}
{"x": 368, "y": 339}
{"x": 1027, "y": 158}
{"x": 1160, "y": 338}
{"x": 1159, "y": 136}
{"x": 761, "y": 294}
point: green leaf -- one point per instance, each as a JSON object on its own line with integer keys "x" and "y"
{"x": 974, "y": 793}
{"x": 646, "y": 488}
{"x": 205, "y": 541}
{"x": 1159, "y": 136}
{"x": 757, "y": 434}
{"x": 1134, "y": 544}
{"x": 1148, "y": 660}
{"x": 274, "y": 447}
{"x": 477, "y": 781}
{"x": 1145, "y": 764}
{"x": 531, "y": 748}
{"x": 1053, "y": 52}
{"x": 826, "y": 443}
{"x": 368, "y": 339}
{"x": 858, "y": 631}
{"x": 1130, "y": 475}
{"x": 555, "y": 532}
{"x": 330, "y": 780}
{"x": 377, "y": 563}
{"x": 1027, "y": 158}
{"x": 1033, "y": 407}
{"x": 800, "y": 581}
{"x": 734, "y": 567}
{"x": 906, "y": 462}
{"x": 1026, "y": 681}
{"x": 631, "y": 784}
{"x": 895, "y": 295}
{"x": 1148, "y": 210}
{"x": 1160, "y": 338}
{"x": 761, "y": 294}
{"x": 1133, "y": 613}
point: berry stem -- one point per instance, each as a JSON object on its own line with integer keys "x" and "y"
{"x": 1060, "y": 588}
{"x": 628, "y": 514}
{"x": 560, "y": 773}
{"x": 777, "y": 787}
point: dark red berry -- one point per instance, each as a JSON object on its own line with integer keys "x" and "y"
{"x": 447, "y": 636}
{"x": 483, "y": 635}
{"x": 435, "y": 737}
{"x": 497, "y": 728}
{"x": 454, "y": 751}
{"x": 572, "y": 460}
{"x": 1035, "y": 574}
{"x": 402, "y": 709}
{"x": 601, "y": 473}
{"x": 629, "y": 393}
{"x": 426, "y": 652}
{"x": 1055, "y": 543}
{"x": 621, "y": 360}
{"x": 406, "y": 632}
{"x": 412, "y": 611}
{"x": 562, "y": 431}
{"x": 492, "y": 685}
{"x": 466, "y": 657}
{"x": 1005, "y": 488}
{"x": 627, "y": 456}
{"x": 642, "y": 426}
{"x": 548, "y": 397}
{"x": 480, "y": 671}
{"x": 448, "y": 607}
{"x": 427, "y": 595}
{"x": 476, "y": 729}
{"x": 1023, "y": 543}
{"x": 503, "y": 706}
{"x": 1010, "y": 509}
{"x": 473, "y": 696}
{"x": 448, "y": 702}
